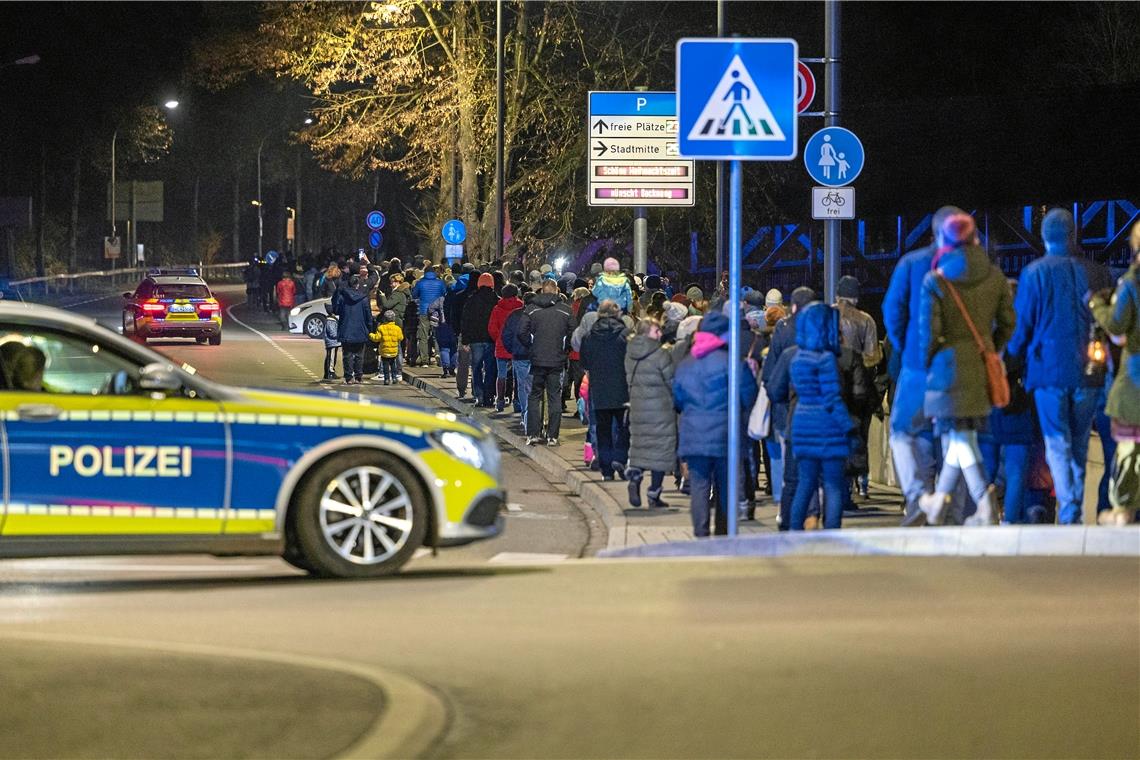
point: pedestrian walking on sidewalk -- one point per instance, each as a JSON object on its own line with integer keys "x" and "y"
{"x": 700, "y": 394}
{"x": 1119, "y": 315}
{"x": 473, "y": 328}
{"x": 545, "y": 328}
{"x": 649, "y": 374}
{"x": 603, "y": 359}
{"x": 286, "y": 290}
{"x": 507, "y": 305}
{"x": 1051, "y": 342}
{"x": 965, "y": 295}
{"x": 822, "y": 428}
{"x": 911, "y": 434}
{"x": 388, "y": 337}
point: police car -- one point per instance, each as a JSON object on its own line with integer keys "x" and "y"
{"x": 107, "y": 447}
{"x": 172, "y": 303}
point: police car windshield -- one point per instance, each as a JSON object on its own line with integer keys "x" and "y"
{"x": 180, "y": 290}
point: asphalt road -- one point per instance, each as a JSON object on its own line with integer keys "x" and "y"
{"x": 550, "y": 656}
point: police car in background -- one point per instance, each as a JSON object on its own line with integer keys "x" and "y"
{"x": 172, "y": 303}
{"x": 106, "y": 447}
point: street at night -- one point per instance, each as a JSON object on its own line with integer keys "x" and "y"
{"x": 551, "y": 379}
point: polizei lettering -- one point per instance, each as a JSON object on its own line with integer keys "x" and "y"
{"x": 128, "y": 462}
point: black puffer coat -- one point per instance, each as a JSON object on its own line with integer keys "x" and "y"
{"x": 652, "y": 419}
{"x": 603, "y": 356}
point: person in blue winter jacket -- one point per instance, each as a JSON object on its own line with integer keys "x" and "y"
{"x": 1051, "y": 342}
{"x": 700, "y": 394}
{"x": 911, "y": 434}
{"x": 614, "y": 286}
{"x": 427, "y": 290}
{"x": 821, "y": 426}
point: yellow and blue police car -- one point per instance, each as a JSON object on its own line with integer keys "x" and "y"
{"x": 107, "y": 448}
{"x": 172, "y": 303}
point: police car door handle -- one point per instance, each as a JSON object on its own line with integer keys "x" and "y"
{"x": 38, "y": 412}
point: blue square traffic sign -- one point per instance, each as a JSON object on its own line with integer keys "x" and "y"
{"x": 736, "y": 99}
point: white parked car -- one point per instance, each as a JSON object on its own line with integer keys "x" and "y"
{"x": 309, "y": 318}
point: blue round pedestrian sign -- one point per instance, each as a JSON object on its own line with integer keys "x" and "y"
{"x": 454, "y": 231}
{"x": 375, "y": 239}
{"x": 375, "y": 221}
{"x": 271, "y": 257}
{"x": 834, "y": 156}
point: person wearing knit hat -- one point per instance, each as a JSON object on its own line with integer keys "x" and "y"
{"x": 612, "y": 285}
{"x": 910, "y": 439}
{"x": 861, "y": 336}
{"x": 958, "y": 396}
{"x": 675, "y": 312}
{"x": 545, "y": 269}
{"x": 473, "y": 331}
{"x": 698, "y": 393}
{"x": 1051, "y": 342}
{"x": 388, "y": 337}
{"x": 595, "y": 269}
{"x": 753, "y": 299}
{"x": 773, "y": 298}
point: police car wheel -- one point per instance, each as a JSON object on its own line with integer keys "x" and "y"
{"x": 360, "y": 514}
{"x": 215, "y": 340}
{"x": 315, "y": 326}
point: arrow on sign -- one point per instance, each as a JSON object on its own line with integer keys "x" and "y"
{"x": 601, "y": 126}
{"x": 601, "y": 148}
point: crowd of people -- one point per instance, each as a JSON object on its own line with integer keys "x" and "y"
{"x": 989, "y": 398}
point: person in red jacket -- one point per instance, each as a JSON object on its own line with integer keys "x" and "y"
{"x": 509, "y": 302}
{"x": 286, "y": 298}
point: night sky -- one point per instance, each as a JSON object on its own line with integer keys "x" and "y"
{"x": 972, "y": 103}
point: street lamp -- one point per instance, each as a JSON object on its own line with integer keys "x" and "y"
{"x": 170, "y": 106}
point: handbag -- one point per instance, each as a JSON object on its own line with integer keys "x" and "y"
{"x": 760, "y": 419}
{"x": 997, "y": 384}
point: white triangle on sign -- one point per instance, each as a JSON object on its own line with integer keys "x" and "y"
{"x": 736, "y": 110}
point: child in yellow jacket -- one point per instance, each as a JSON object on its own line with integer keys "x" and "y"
{"x": 388, "y": 337}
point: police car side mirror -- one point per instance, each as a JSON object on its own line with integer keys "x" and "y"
{"x": 127, "y": 296}
{"x": 159, "y": 377}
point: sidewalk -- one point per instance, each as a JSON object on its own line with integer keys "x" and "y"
{"x": 629, "y": 527}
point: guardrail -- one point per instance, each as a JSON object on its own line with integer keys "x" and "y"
{"x": 110, "y": 280}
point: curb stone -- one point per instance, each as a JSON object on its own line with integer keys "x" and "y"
{"x": 996, "y": 541}
{"x": 578, "y": 481}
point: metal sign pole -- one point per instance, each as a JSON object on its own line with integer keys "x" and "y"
{"x": 732, "y": 487}
{"x": 831, "y": 228}
{"x": 719, "y": 174}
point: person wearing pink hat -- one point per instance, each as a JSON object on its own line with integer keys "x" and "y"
{"x": 614, "y": 286}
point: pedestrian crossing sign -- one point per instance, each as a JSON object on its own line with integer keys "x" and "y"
{"x": 736, "y": 99}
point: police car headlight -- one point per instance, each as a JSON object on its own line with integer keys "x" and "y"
{"x": 294, "y": 311}
{"x": 461, "y": 446}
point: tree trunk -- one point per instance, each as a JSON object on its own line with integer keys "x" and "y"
{"x": 280, "y": 216}
{"x": 73, "y": 229}
{"x": 468, "y": 145}
{"x": 237, "y": 216}
{"x": 318, "y": 218}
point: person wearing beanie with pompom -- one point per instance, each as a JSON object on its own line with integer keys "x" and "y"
{"x": 957, "y": 397}
{"x": 612, "y": 285}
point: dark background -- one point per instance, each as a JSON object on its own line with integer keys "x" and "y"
{"x": 986, "y": 105}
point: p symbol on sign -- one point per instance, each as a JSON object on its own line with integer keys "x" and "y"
{"x": 641, "y": 103}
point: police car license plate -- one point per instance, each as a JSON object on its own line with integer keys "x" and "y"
{"x": 180, "y": 308}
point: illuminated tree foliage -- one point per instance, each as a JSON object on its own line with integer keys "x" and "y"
{"x": 409, "y": 86}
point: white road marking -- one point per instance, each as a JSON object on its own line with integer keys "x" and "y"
{"x": 300, "y": 365}
{"x": 526, "y": 558}
{"x": 92, "y": 300}
{"x": 513, "y": 507}
{"x": 55, "y": 565}
{"x": 422, "y": 552}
